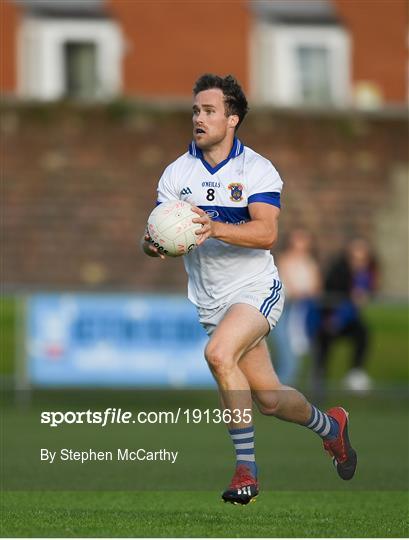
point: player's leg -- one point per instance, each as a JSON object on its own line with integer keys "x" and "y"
{"x": 241, "y": 328}
{"x": 288, "y": 404}
{"x": 272, "y": 397}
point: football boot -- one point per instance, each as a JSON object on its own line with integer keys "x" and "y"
{"x": 343, "y": 455}
{"x": 243, "y": 487}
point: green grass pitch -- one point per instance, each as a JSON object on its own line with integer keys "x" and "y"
{"x": 201, "y": 514}
{"x": 300, "y": 496}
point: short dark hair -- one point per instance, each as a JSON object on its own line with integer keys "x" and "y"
{"x": 234, "y": 98}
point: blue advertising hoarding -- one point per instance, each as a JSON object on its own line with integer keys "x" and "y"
{"x": 114, "y": 340}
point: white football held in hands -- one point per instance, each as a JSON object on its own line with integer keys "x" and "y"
{"x": 171, "y": 229}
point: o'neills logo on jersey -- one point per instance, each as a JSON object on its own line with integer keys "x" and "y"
{"x": 236, "y": 192}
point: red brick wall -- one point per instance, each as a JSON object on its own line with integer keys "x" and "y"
{"x": 169, "y": 44}
{"x": 379, "y": 31}
{"x": 78, "y": 185}
{"x": 9, "y": 15}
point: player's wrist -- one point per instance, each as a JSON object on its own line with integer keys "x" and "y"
{"x": 215, "y": 231}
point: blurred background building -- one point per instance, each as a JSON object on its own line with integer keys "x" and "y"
{"x": 81, "y": 161}
{"x": 96, "y": 102}
{"x": 285, "y": 52}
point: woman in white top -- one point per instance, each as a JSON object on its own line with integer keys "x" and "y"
{"x": 301, "y": 277}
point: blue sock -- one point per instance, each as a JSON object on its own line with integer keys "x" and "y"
{"x": 243, "y": 440}
{"x": 323, "y": 425}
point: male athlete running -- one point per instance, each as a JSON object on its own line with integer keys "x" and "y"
{"x": 233, "y": 280}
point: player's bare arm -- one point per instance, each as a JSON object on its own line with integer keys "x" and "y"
{"x": 260, "y": 233}
{"x": 236, "y": 312}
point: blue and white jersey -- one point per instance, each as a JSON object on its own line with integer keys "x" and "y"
{"x": 217, "y": 269}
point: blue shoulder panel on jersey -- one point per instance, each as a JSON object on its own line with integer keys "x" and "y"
{"x": 269, "y": 197}
{"x": 227, "y": 214}
{"x": 235, "y": 151}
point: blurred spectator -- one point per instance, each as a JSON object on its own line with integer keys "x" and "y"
{"x": 299, "y": 271}
{"x": 350, "y": 281}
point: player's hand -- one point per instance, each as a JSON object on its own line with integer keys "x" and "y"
{"x": 207, "y": 225}
{"x": 149, "y": 248}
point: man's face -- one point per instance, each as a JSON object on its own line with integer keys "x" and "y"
{"x": 210, "y": 123}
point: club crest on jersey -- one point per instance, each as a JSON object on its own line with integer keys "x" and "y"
{"x": 236, "y": 192}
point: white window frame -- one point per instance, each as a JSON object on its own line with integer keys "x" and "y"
{"x": 41, "y": 73}
{"x": 274, "y": 71}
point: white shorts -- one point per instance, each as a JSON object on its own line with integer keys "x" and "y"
{"x": 269, "y": 300}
